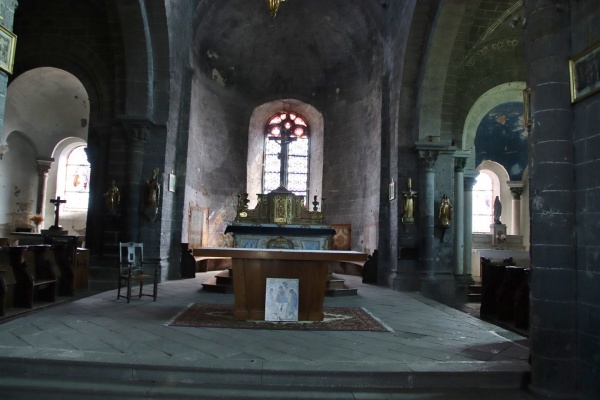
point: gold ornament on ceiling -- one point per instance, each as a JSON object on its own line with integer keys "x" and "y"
{"x": 274, "y": 7}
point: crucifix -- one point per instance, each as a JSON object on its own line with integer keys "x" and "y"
{"x": 285, "y": 128}
{"x": 57, "y": 202}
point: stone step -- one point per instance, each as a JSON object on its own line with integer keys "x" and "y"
{"x": 341, "y": 292}
{"x": 23, "y": 378}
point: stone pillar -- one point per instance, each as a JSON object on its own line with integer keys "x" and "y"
{"x": 460, "y": 160}
{"x": 516, "y": 190}
{"x": 469, "y": 182}
{"x": 426, "y": 219}
{"x": 43, "y": 166}
{"x": 555, "y": 371}
{"x": 136, "y": 134}
{"x": 435, "y": 281}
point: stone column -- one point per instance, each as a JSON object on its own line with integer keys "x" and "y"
{"x": 426, "y": 219}
{"x": 43, "y": 166}
{"x": 469, "y": 182}
{"x": 460, "y": 160}
{"x": 555, "y": 371}
{"x": 516, "y": 190}
{"x": 136, "y": 134}
{"x": 434, "y": 281}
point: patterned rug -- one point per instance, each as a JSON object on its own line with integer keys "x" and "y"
{"x": 336, "y": 319}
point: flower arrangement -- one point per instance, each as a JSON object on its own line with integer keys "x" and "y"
{"x": 500, "y": 237}
{"x": 36, "y": 219}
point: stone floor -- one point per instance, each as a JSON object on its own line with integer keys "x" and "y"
{"x": 98, "y": 347}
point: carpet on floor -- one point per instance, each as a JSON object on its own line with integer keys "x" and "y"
{"x": 336, "y": 319}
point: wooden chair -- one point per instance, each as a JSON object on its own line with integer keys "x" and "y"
{"x": 133, "y": 267}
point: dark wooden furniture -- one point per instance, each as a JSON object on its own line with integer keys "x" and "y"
{"x": 252, "y": 267}
{"x": 133, "y": 268}
{"x": 65, "y": 255}
{"x": 36, "y": 279}
{"x": 505, "y": 292}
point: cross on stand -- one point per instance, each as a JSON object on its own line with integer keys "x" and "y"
{"x": 285, "y": 128}
{"x": 57, "y": 202}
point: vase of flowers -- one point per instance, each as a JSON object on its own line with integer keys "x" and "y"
{"x": 37, "y": 220}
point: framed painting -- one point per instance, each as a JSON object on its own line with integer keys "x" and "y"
{"x": 584, "y": 70}
{"x": 281, "y": 302}
{"x": 172, "y": 182}
{"x": 527, "y": 108}
{"x": 197, "y": 227}
{"x": 8, "y": 44}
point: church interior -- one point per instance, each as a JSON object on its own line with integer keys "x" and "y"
{"x": 428, "y": 134}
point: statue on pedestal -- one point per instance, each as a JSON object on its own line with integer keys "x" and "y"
{"x": 497, "y": 210}
{"x": 445, "y": 215}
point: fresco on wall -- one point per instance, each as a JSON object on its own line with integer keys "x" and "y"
{"x": 502, "y": 137}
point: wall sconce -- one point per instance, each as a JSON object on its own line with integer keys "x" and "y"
{"x": 408, "y": 208}
{"x": 445, "y": 215}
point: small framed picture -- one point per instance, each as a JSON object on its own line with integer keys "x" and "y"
{"x": 392, "y": 190}
{"x": 281, "y": 301}
{"x": 172, "y": 182}
{"x": 8, "y": 44}
{"x": 584, "y": 70}
{"x": 527, "y": 107}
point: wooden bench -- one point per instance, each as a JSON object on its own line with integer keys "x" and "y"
{"x": 8, "y": 281}
{"x": 190, "y": 264}
{"x": 505, "y": 291}
{"x": 64, "y": 249}
{"x": 35, "y": 281}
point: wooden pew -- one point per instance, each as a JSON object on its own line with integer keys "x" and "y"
{"x": 65, "y": 254}
{"x": 34, "y": 281}
{"x": 492, "y": 275}
{"x": 8, "y": 281}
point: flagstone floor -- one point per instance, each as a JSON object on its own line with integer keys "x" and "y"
{"x": 425, "y": 336}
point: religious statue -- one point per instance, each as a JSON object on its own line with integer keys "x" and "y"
{"x": 497, "y": 210}
{"x": 153, "y": 190}
{"x": 274, "y": 7}
{"x": 112, "y": 198}
{"x": 408, "y": 212}
{"x": 445, "y": 214}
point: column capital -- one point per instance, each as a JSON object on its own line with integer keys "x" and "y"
{"x": 136, "y": 128}
{"x": 516, "y": 189}
{"x": 470, "y": 179}
{"x": 44, "y": 164}
{"x": 460, "y": 160}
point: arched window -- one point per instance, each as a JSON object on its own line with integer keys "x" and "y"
{"x": 483, "y": 203}
{"x": 287, "y": 141}
{"x": 77, "y": 180}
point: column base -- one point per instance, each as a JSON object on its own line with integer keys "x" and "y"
{"x": 441, "y": 288}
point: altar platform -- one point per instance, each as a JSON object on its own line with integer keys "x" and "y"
{"x": 101, "y": 348}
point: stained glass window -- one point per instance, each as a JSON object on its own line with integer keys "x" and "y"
{"x": 293, "y": 131}
{"x": 77, "y": 180}
{"x": 483, "y": 204}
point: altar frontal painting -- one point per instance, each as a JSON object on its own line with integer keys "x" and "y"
{"x": 281, "y": 302}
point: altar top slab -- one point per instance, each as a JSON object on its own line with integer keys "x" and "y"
{"x": 280, "y": 254}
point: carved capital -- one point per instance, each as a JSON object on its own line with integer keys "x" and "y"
{"x": 427, "y": 159}
{"x": 44, "y": 165}
{"x": 459, "y": 164}
{"x": 516, "y": 192}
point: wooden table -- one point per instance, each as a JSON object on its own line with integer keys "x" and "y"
{"x": 252, "y": 267}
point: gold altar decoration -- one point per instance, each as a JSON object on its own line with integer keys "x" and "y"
{"x": 274, "y": 7}
{"x": 280, "y": 207}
